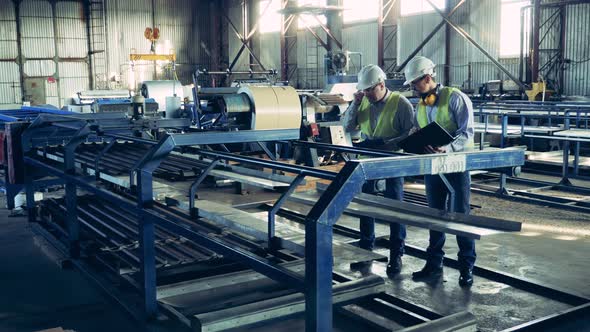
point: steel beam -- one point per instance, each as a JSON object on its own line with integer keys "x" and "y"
{"x": 277, "y": 205}
{"x": 428, "y": 38}
{"x": 245, "y": 45}
{"x": 380, "y": 48}
{"x": 536, "y": 34}
{"x": 318, "y": 248}
{"x": 19, "y": 45}
{"x": 72, "y": 222}
{"x": 224, "y": 137}
{"x": 463, "y": 321}
{"x": 466, "y": 35}
{"x": 447, "y": 71}
{"x": 283, "y": 306}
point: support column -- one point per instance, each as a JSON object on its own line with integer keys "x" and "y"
{"x": 535, "y": 47}
{"x": 88, "y": 19}
{"x": 20, "y": 59}
{"x": 380, "y": 41}
{"x": 147, "y": 243}
{"x": 562, "y": 46}
{"x": 288, "y": 42}
{"x": 388, "y": 15}
{"x": 334, "y": 23}
{"x": 72, "y": 223}
{"x": 447, "y": 64}
{"x": 318, "y": 275}
{"x": 251, "y": 16}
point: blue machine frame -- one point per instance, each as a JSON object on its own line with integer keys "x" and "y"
{"x": 317, "y": 284}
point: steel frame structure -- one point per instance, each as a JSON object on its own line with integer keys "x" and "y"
{"x": 580, "y": 303}
{"x": 317, "y": 284}
{"x": 11, "y": 126}
{"x": 559, "y": 117}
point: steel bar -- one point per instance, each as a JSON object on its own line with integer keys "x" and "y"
{"x": 462, "y": 321}
{"x": 297, "y": 169}
{"x": 204, "y": 138}
{"x": 277, "y": 205}
{"x": 402, "y": 207}
{"x": 211, "y": 286}
{"x": 197, "y": 182}
{"x": 346, "y": 149}
{"x": 283, "y": 306}
{"x": 412, "y": 165}
{"x": 565, "y": 320}
{"x": 439, "y": 223}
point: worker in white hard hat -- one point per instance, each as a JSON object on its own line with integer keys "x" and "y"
{"x": 453, "y": 110}
{"x": 384, "y": 118}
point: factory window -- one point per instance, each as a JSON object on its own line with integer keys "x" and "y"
{"x": 360, "y": 10}
{"x": 308, "y": 19}
{"x": 510, "y": 27}
{"x": 413, "y": 7}
{"x": 270, "y": 20}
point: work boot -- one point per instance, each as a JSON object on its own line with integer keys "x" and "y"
{"x": 395, "y": 265}
{"x": 466, "y": 277}
{"x": 364, "y": 265}
{"x": 429, "y": 271}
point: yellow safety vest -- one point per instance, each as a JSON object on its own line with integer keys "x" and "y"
{"x": 385, "y": 127}
{"x": 443, "y": 117}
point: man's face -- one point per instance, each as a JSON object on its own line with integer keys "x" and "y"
{"x": 375, "y": 93}
{"x": 422, "y": 84}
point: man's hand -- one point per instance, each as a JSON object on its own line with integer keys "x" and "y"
{"x": 370, "y": 143}
{"x": 413, "y": 130}
{"x": 358, "y": 97}
{"x": 432, "y": 149}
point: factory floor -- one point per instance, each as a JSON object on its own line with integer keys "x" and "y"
{"x": 552, "y": 248}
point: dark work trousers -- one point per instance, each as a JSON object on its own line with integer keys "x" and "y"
{"x": 394, "y": 189}
{"x": 438, "y": 198}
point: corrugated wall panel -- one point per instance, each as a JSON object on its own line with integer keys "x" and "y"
{"x": 577, "y": 72}
{"x": 412, "y": 30}
{"x": 461, "y": 50}
{"x": 126, "y": 23}
{"x": 310, "y": 60}
{"x": 37, "y": 29}
{"x": 73, "y": 78}
{"x": 270, "y": 50}
{"x": 235, "y": 15}
{"x": 39, "y": 68}
{"x": 175, "y": 19}
{"x": 10, "y": 90}
{"x": 390, "y": 35}
{"x": 361, "y": 37}
{"x": 8, "y": 45}
{"x": 469, "y": 66}
{"x": 51, "y": 93}
{"x": 183, "y": 23}
{"x": 71, "y": 30}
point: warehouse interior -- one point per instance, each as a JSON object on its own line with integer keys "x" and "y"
{"x": 204, "y": 165}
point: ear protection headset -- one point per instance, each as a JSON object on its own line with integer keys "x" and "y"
{"x": 430, "y": 98}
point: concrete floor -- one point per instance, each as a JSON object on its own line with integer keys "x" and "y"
{"x": 38, "y": 294}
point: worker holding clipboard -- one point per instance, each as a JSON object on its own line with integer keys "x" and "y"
{"x": 450, "y": 110}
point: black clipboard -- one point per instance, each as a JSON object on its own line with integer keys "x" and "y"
{"x": 433, "y": 134}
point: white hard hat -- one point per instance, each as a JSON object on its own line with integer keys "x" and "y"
{"x": 369, "y": 76}
{"x": 418, "y": 67}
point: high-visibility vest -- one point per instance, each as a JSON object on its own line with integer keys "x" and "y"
{"x": 385, "y": 127}
{"x": 443, "y": 117}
